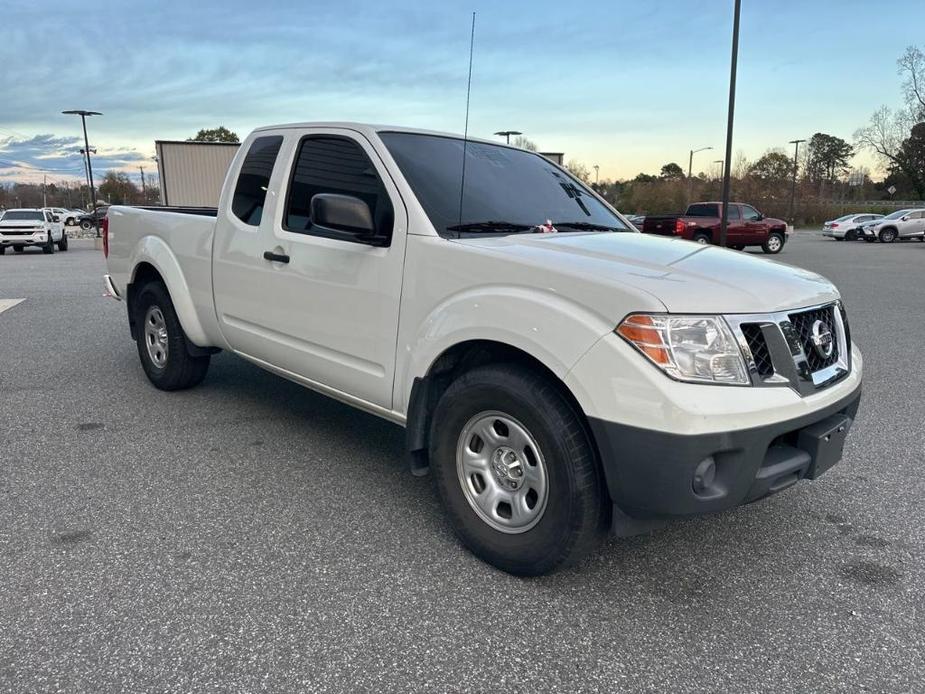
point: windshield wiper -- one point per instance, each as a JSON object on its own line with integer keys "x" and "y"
{"x": 490, "y": 227}
{"x": 586, "y": 226}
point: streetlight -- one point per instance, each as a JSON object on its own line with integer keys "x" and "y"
{"x": 83, "y": 119}
{"x": 793, "y": 183}
{"x": 597, "y": 171}
{"x": 690, "y": 166}
{"x": 721, "y": 162}
{"x": 85, "y": 156}
{"x": 732, "y": 104}
{"x": 507, "y": 134}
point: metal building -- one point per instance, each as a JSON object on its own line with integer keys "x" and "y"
{"x": 192, "y": 173}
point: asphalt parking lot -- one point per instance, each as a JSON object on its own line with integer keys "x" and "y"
{"x": 250, "y": 535}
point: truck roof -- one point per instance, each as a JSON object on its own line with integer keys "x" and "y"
{"x": 372, "y": 129}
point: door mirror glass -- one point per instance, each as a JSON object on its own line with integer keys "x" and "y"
{"x": 342, "y": 213}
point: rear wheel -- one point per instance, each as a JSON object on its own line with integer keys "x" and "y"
{"x": 516, "y": 471}
{"x": 702, "y": 239}
{"x": 851, "y": 235}
{"x": 162, "y": 344}
{"x": 888, "y": 235}
{"x": 774, "y": 244}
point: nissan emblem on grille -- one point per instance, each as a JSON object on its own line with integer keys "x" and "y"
{"x": 822, "y": 339}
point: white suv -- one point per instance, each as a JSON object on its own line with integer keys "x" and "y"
{"x": 31, "y": 227}
{"x": 902, "y": 224}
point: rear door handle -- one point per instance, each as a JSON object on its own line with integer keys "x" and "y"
{"x": 275, "y": 257}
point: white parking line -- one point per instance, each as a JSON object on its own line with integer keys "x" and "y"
{"x": 9, "y": 303}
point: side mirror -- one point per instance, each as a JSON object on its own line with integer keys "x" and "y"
{"x": 56, "y": 218}
{"x": 905, "y": 218}
{"x": 345, "y": 213}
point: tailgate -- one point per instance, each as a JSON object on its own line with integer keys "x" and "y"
{"x": 664, "y": 225}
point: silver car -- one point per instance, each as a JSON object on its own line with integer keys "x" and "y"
{"x": 848, "y": 227}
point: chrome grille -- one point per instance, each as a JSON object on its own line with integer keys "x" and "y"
{"x": 803, "y": 323}
{"x": 758, "y": 346}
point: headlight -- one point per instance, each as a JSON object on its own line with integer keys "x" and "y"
{"x": 698, "y": 349}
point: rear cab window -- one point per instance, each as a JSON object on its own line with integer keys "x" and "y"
{"x": 250, "y": 191}
{"x": 703, "y": 209}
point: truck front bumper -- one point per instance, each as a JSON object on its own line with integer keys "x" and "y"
{"x": 655, "y": 474}
{"x": 35, "y": 239}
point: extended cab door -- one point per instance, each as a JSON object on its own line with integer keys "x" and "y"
{"x": 322, "y": 304}
{"x": 736, "y": 230}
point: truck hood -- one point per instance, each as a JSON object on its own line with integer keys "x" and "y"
{"x": 686, "y": 277}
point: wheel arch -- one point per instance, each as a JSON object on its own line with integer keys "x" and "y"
{"x": 450, "y": 364}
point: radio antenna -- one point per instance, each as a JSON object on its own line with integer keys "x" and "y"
{"x": 462, "y": 183}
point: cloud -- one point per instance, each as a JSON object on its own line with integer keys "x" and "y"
{"x": 58, "y": 158}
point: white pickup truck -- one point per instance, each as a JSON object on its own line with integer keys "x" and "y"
{"x": 25, "y": 227}
{"x": 557, "y": 372}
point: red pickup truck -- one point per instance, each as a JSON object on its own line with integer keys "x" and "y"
{"x": 746, "y": 226}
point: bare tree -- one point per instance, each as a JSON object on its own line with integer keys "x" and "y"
{"x": 911, "y": 65}
{"x": 524, "y": 143}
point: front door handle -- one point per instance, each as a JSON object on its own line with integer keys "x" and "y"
{"x": 275, "y": 257}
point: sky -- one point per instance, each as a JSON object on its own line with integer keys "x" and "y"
{"x": 628, "y": 86}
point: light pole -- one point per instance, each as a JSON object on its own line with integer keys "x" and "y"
{"x": 83, "y": 119}
{"x": 507, "y": 134}
{"x": 690, "y": 166}
{"x": 597, "y": 172}
{"x": 793, "y": 183}
{"x": 724, "y": 219}
{"x": 721, "y": 162}
{"x": 86, "y": 156}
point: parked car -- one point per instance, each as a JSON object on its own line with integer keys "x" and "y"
{"x": 90, "y": 220}
{"x": 746, "y": 226}
{"x": 902, "y": 225}
{"x": 637, "y": 220}
{"x": 25, "y": 227}
{"x": 848, "y": 227}
{"x": 557, "y": 373}
{"x": 68, "y": 217}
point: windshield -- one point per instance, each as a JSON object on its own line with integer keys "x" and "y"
{"x": 23, "y": 215}
{"x": 512, "y": 189}
{"x": 897, "y": 214}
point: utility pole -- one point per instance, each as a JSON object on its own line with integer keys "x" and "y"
{"x": 44, "y": 191}
{"x": 144, "y": 190}
{"x": 83, "y": 119}
{"x": 690, "y": 166}
{"x": 793, "y": 183}
{"x": 724, "y": 219}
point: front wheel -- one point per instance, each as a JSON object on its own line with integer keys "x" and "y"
{"x": 774, "y": 244}
{"x": 888, "y": 236}
{"x": 49, "y": 246}
{"x": 162, "y": 344}
{"x": 516, "y": 471}
{"x": 62, "y": 244}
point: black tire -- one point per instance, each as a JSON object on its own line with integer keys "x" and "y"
{"x": 19, "y": 249}
{"x": 49, "y": 247}
{"x": 577, "y": 510}
{"x": 70, "y": 221}
{"x": 181, "y": 370}
{"x": 888, "y": 235}
{"x": 62, "y": 244}
{"x": 851, "y": 235}
{"x": 770, "y": 246}
{"x": 2, "y": 250}
{"x": 738, "y": 247}
{"x": 702, "y": 238}
{"x": 837, "y": 238}
{"x": 86, "y": 225}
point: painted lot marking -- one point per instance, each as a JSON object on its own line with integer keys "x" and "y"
{"x": 6, "y": 304}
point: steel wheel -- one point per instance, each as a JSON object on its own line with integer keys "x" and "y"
{"x": 502, "y": 472}
{"x": 156, "y": 337}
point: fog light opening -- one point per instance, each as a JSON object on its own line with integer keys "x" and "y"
{"x": 704, "y": 476}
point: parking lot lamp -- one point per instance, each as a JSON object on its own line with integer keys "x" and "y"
{"x": 793, "y": 183}
{"x": 690, "y": 166}
{"x": 507, "y": 134}
{"x": 83, "y": 119}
